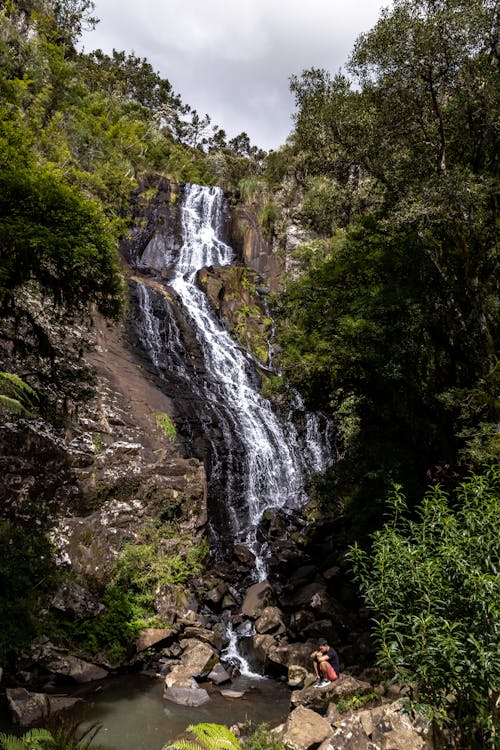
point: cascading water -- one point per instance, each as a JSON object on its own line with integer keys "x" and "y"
{"x": 262, "y": 462}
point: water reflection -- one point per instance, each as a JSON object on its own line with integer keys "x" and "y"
{"x": 135, "y": 716}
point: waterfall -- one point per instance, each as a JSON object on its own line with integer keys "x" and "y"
{"x": 258, "y": 461}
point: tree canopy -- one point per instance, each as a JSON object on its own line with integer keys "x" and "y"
{"x": 392, "y": 323}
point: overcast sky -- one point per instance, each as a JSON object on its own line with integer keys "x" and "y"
{"x": 233, "y": 60}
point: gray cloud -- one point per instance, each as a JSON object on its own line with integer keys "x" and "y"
{"x": 233, "y": 60}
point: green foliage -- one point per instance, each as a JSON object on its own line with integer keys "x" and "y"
{"x": 268, "y": 216}
{"x": 159, "y": 558}
{"x": 34, "y": 739}
{"x": 166, "y": 425}
{"x": 433, "y": 585}
{"x": 262, "y": 738}
{"x": 28, "y": 577}
{"x": 55, "y": 237}
{"x": 357, "y": 700}
{"x": 16, "y": 396}
{"x": 77, "y": 132}
{"x": 393, "y": 324}
{"x": 112, "y": 632}
{"x": 60, "y": 735}
{"x": 250, "y": 188}
{"x": 208, "y": 737}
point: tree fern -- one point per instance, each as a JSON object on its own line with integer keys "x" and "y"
{"x": 208, "y": 736}
{"x": 16, "y": 396}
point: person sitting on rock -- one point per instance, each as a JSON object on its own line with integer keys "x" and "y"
{"x": 326, "y": 664}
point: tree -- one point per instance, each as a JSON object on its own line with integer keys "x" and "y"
{"x": 433, "y": 585}
{"x": 395, "y": 328}
{"x": 50, "y": 234}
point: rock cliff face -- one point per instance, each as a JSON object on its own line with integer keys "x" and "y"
{"x": 109, "y": 471}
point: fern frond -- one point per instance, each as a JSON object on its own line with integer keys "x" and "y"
{"x": 210, "y": 737}
{"x": 34, "y": 739}
{"x": 214, "y": 736}
{"x": 182, "y": 743}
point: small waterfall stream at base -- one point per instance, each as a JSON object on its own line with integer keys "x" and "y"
{"x": 258, "y": 462}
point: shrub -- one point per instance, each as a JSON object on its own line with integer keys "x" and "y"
{"x": 166, "y": 425}
{"x": 433, "y": 585}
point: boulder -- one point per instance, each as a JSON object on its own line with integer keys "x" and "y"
{"x": 218, "y": 675}
{"x": 171, "y": 603}
{"x": 198, "y": 658}
{"x": 305, "y": 729}
{"x": 179, "y": 676}
{"x": 286, "y": 654}
{"x": 313, "y": 596}
{"x": 59, "y": 661}
{"x": 259, "y": 646}
{"x": 27, "y": 708}
{"x": 232, "y": 693}
{"x": 212, "y": 637}
{"x": 271, "y": 621}
{"x": 244, "y": 555}
{"x": 149, "y": 637}
{"x": 71, "y": 597}
{"x": 257, "y": 598}
{"x": 384, "y": 727}
{"x": 186, "y": 696}
{"x": 216, "y": 595}
{"x": 319, "y": 698}
{"x": 296, "y": 676}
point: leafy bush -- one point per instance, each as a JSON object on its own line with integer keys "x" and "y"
{"x": 261, "y": 738}
{"x": 113, "y": 632}
{"x": 433, "y": 585}
{"x": 28, "y": 577}
{"x": 158, "y": 559}
{"x": 166, "y": 425}
{"x": 268, "y": 216}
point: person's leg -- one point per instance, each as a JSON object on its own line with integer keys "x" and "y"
{"x": 327, "y": 672}
{"x": 317, "y": 667}
{"x": 317, "y": 670}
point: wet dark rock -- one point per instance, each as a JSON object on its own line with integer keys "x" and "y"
{"x": 271, "y": 621}
{"x": 319, "y": 698}
{"x": 257, "y": 598}
{"x": 244, "y": 555}
{"x": 71, "y": 597}
{"x": 216, "y": 594}
{"x": 28, "y": 708}
{"x": 150, "y": 637}
{"x": 218, "y": 675}
{"x": 60, "y": 662}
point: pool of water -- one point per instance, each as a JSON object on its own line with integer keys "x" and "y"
{"x": 135, "y": 716}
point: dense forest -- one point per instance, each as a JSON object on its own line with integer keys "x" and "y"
{"x": 388, "y": 316}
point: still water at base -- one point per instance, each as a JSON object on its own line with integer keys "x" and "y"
{"x": 134, "y": 716}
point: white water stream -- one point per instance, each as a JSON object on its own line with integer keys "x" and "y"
{"x": 267, "y": 460}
